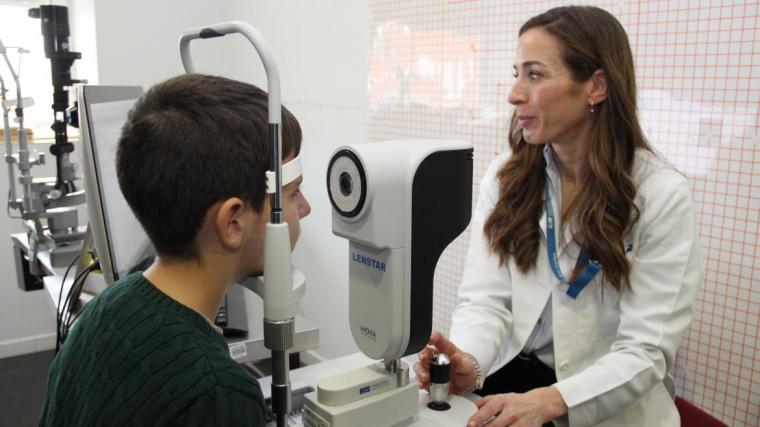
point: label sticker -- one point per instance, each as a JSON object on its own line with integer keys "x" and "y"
{"x": 238, "y": 351}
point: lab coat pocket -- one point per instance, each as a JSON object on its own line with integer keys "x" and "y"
{"x": 597, "y": 312}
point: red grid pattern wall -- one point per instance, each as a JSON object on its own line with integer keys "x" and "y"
{"x": 442, "y": 69}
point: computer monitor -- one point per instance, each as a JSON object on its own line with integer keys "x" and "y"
{"x": 119, "y": 240}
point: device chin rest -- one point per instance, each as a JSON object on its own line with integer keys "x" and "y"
{"x": 256, "y": 285}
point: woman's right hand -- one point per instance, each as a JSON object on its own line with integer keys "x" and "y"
{"x": 463, "y": 375}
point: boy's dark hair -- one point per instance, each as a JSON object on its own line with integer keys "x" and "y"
{"x": 192, "y": 141}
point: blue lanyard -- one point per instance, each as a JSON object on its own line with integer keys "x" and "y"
{"x": 592, "y": 267}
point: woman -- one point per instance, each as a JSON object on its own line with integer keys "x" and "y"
{"x": 584, "y": 262}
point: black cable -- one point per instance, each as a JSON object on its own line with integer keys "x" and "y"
{"x": 71, "y": 320}
{"x": 71, "y": 297}
{"x": 58, "y": 317}
{"x": 69, "y": 302}
{"x": 74, "y": 317}
{"x": 65, "y": 306}
{"x": 75, "y": 290}
{"x": 78, "y": 293}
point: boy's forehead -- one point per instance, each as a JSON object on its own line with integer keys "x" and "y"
{"x": 291, "y": 171}
{"x": 296, "y": 182}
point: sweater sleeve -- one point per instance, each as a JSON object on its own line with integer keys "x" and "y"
{"x": 223, "y": 407}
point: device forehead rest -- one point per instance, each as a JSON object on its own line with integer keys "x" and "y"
{"x": 290, "y": 172}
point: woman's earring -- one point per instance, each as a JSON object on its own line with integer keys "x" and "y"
{"x": 592, "y": 108}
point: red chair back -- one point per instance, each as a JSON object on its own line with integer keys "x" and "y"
{"x": 692, "y": 416}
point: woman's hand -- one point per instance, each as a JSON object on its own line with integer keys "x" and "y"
{"x": 463, "y": 373}
{"x": 531, "y": 409}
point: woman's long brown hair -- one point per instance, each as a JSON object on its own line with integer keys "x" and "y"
{"x": 604, "y": 212}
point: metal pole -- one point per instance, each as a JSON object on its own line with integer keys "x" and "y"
{"x": 8, "y": 143}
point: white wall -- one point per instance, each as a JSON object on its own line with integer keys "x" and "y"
{"x": 137, "y": 40}
{"x": 321, "y": 49}
{"x": 83, "y": 39}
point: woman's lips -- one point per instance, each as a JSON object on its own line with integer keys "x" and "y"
{"x": 525, "y": 121}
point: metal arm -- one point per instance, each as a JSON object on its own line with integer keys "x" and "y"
{"x": 279, "y": 301}
{"x": 7, "y": 137}
{"x": 23, "y": 150}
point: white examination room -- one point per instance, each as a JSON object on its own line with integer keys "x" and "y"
{"x": 380, "y": 213}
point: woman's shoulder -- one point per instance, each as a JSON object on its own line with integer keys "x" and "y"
{"x": 653, "y": 168}
{"x": 659, "y": 183}
{"x": 495, "y": 165}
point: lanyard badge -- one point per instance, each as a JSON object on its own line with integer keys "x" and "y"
{"x": 591, "y": 267}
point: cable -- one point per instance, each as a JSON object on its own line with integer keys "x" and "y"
{"x": 73, "y": 295}
{"x": 77, "y": 292}
{"x": 68, "y": 303}
{"x": 58, "y": 317}
{"x": 65, "y": 320}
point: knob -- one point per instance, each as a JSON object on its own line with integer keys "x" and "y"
{"x": 440, "y": 374}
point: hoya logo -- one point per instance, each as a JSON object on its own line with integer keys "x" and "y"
{"x": 368, "y": 261}
{"x": 369, "y": 333}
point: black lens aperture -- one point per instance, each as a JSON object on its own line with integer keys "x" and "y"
{"x": 346, "y": 184}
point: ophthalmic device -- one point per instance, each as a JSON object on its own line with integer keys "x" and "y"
{"x": 400, "y": 204}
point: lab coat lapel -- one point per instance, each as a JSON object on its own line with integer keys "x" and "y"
{"x": 542, "y": 225}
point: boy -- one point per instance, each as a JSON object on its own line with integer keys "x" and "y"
{"x": 191, "y": 163}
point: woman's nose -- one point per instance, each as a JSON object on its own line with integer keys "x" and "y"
{"x": 516, "y": 94}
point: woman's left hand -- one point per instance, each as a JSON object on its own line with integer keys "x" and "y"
{"x": 531, "y": 409}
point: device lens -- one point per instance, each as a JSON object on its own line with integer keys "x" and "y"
{"x": 346, "y": 184}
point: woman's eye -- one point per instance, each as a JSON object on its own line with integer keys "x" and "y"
{"x": 534, "y": 75}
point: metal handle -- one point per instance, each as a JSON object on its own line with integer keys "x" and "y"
{"x": 278, "y": 289}
{"x": 273, "y": 88}
{"x": 258, "y": 42}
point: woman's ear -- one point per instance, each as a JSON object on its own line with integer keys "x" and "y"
{"x": 230, "y": 225}
{"x": 597, "y": 89}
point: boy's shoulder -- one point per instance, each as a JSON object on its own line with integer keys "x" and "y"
{"x": 133, "y": 315}
{"x": 137, "y": 351}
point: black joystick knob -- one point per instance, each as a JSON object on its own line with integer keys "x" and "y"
{"x": 440, "y": 374}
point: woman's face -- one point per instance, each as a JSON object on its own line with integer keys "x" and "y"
{"x": 551, "y": 107}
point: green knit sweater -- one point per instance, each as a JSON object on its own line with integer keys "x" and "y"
{"x": 138, "y": 357}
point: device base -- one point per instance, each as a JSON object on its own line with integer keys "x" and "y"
{"x": 461, "y": 409}
{"x": 385, "y": 409}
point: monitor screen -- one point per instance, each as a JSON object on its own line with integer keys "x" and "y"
{"x": 119, "y": 240}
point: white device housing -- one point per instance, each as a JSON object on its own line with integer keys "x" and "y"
{"x": 400, "y": 203}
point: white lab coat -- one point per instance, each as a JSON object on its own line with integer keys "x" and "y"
{"x": 612, "y": 351}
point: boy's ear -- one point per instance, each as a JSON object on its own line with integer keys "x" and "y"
{"x": 229, "y": 222}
